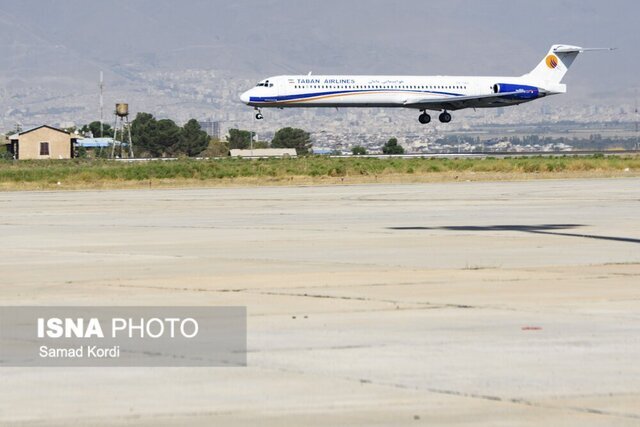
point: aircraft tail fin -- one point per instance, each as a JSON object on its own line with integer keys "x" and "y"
{"x": 556, "y": 63}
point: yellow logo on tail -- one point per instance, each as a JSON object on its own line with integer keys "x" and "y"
{"x": 552, "y": 61}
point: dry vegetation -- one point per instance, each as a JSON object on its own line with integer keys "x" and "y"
{"x": 79, "y": 174}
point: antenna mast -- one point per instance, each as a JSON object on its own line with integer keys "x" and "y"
{"x": 101, "y": 104}
{"x": 637, "y": 135}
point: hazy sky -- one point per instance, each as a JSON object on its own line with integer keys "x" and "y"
{"x": 57, "y": 38}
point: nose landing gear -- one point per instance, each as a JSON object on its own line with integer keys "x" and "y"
{"x": 259, "y": 115}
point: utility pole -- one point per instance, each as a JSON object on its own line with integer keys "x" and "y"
{"x": 101, "y": 104}
{"x": 637, "y": 134}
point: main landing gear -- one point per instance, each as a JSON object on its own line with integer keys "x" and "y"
{"x": 425, "y": 118}
{"x": 259, "y": 115}
{"x": 445, "y": 117}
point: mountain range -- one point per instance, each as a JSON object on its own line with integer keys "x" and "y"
{"x": 53, "y": 50}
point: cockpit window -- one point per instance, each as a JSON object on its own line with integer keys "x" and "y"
{"x": 266, "y": 83}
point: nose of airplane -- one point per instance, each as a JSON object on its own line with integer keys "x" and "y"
{"x": 245, "y": 97}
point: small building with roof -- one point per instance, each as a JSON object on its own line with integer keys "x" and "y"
{"x": 42, "y": 142}
{"x": 263, "y": 153}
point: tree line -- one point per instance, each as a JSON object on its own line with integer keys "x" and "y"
{"x": 391, "y": 147}
{"x": 164, "y": 138}
{"x": 284, "y": 138}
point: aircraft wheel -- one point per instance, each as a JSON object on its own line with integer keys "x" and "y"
{"x": 445, "y": 117}
{"x": 259, "y": 116}
{"x": 424, "y": 118}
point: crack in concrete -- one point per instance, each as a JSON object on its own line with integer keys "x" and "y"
{"x": 487, "y": 397}
{"x": 366, "y": 299}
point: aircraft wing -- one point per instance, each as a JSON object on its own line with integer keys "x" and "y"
{"x": 453, "y": 103}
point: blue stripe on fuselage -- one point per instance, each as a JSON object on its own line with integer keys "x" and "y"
{"x": 313, "y": 95}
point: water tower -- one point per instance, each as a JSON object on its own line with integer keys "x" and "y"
{"x": 123, "y": 127}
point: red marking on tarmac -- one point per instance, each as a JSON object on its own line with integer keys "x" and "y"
{"x": 531, "y": 328}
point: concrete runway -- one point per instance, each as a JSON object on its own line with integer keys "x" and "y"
{"x": 461, "y": 303}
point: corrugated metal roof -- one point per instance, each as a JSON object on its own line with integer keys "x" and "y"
{"x": 95, "y": 142}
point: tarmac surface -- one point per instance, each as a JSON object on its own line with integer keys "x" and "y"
{"x": 510, "y": 303}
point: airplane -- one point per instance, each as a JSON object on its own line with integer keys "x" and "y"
{"x": 424, "y": 93}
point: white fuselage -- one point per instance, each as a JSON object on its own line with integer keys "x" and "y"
{"x": 434, "y": 93}
{"x": 371, "y": 91}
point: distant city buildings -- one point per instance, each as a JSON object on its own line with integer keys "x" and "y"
{"x": 212, "y": 128}
{"x": 212, "y": 98}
